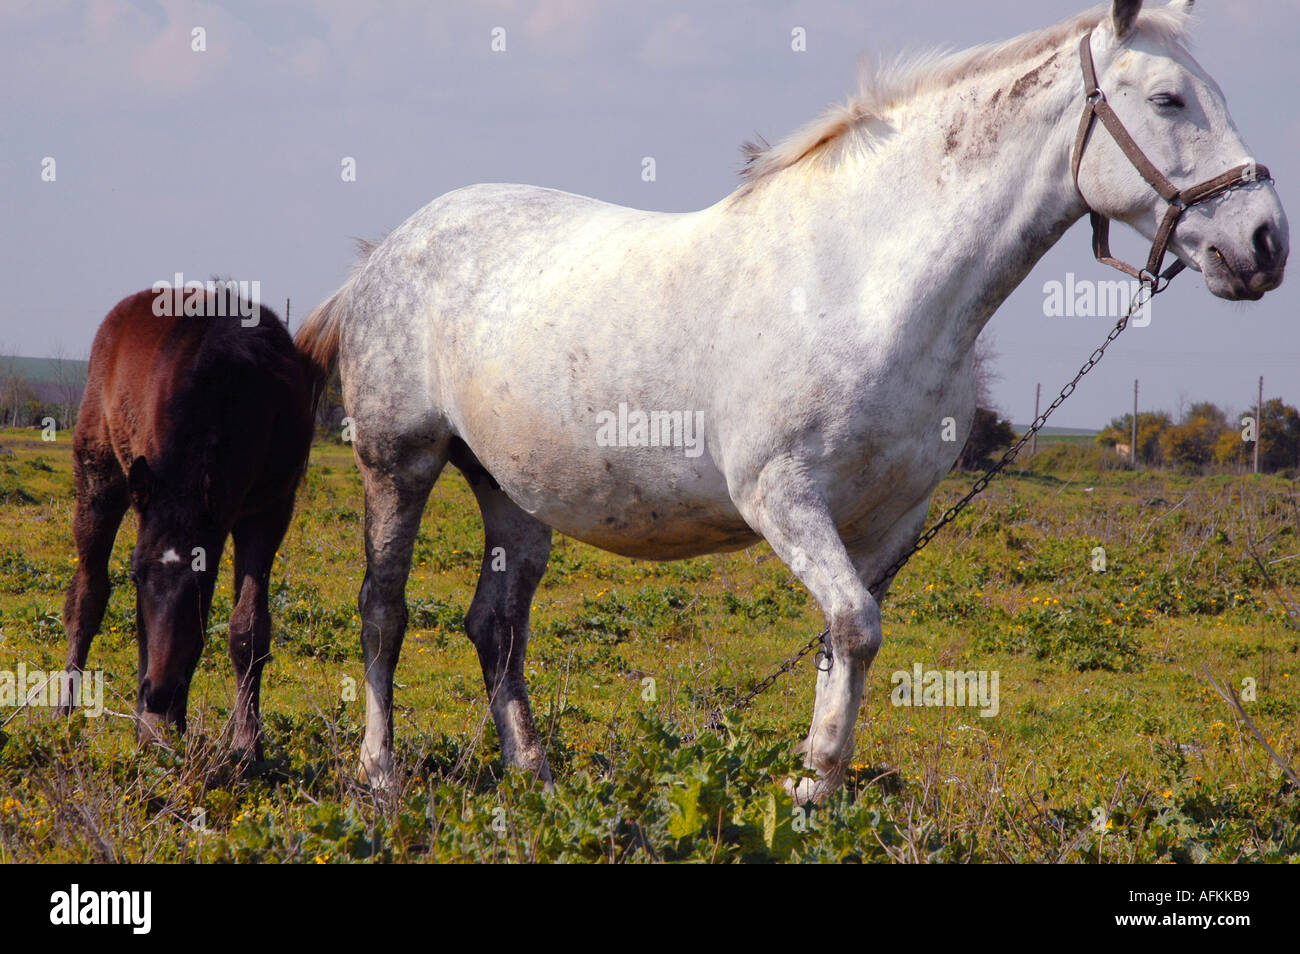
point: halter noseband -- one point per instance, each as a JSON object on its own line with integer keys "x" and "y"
{"x": 1180, "y": 200}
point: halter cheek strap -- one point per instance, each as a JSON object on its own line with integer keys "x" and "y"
{"x": 1180, "y": 200}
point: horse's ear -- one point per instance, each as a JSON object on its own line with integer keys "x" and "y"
{"x": 139, "y": 481}
{"x": 1123, "y": 16}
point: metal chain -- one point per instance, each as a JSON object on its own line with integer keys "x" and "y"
{"x": 1148, "y": 291}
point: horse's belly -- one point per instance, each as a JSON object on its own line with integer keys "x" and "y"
{"x": 648, "y": 535}
{"x": 644, "y": 513}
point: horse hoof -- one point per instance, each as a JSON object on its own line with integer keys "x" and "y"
{"x": 379, "y": 779}
{"x": 801, "y": 790}
{"x": 811, "y": 789}
{"x": 152, "y": 728}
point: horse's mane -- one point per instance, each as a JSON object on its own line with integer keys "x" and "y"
{"x": 883, "y": 89}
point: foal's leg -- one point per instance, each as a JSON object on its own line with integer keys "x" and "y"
{"x": 516, "y": 548}
{"x": 256, "y": 539}
{"x": 102, "y": 500}
{"x": 792, "y": 516}
{"x": 397, "y": 487}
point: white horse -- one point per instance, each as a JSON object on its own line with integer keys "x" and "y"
{"x": 818, "y": 325}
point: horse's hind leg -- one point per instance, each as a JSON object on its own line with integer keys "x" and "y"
{"x": 102, "y": 500}
{"x": 256, "y": 539}
{"x": 516, "y": 548}
{"x": 398, "y": 477}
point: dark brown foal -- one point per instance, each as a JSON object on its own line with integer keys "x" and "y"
{"x": 201, "y": 422}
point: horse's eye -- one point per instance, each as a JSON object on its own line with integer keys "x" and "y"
{"x": 1166, "y": 101}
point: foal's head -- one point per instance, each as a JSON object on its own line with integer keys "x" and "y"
{"x": 1177, "y": 115}
{"x": 173, "y": 586}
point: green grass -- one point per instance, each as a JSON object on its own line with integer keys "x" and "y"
{"x": 1108, "y": 745}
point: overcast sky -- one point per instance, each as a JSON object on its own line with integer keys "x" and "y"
{"x": 228, "y": 161}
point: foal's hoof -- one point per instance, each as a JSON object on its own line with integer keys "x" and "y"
{"x": 153, "y": 728}
{"x": 246, "y": 754}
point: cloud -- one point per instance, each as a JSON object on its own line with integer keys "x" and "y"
{"x": 677, "y": 42}
{"x": 564, "y": 27}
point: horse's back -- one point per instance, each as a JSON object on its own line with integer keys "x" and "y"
{"x": 520, "y": 319}
{"x": 160, "y": 385}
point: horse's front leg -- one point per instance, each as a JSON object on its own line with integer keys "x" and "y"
{"x": 102, "y": 501}
{"x": 793, "y": 517}
{"x": 256, "y": 539}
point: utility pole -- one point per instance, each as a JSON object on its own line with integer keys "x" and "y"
{"x": 1259, "y": 421}
{"x": 1033, "y": 441}
{"x": 1133, "y": 447}
{"x": 286, "y": 314}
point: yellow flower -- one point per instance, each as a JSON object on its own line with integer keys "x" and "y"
{"x": 1167, "y": 793}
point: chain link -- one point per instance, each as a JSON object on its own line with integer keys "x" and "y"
{"x": 1148, "y": 291}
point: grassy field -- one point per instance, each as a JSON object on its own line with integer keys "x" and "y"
{"x": 1108, "y": 745}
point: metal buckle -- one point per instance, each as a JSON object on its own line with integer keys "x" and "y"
{"x": 1097, "y": 96}
{"x": 825, "y": 653}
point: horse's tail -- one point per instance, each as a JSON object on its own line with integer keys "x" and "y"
{"x": 318, "y": 337}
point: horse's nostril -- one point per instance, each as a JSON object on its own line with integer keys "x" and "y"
{"x": 1268, "y": 247}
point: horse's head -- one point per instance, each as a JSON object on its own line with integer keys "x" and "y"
{"x": 173, "y": 590}
{"x": 1177, "y": 117}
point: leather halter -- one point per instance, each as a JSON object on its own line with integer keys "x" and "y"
{"x": 1180, "y": 200}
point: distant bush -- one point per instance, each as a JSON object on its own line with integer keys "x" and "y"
{"x": 989, "y": 434}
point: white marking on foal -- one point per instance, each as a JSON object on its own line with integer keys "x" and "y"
{"x": 170, "y": 556}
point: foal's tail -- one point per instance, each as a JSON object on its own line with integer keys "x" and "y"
{"x": 318, "y": 337}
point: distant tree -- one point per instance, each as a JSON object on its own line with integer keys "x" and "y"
{"x": 1231, "y": 451}
{"x": 1151, "y": 425}
{"x": 69, "y": 383}
{"x": 1191, "y": 443}
{"x": 988, "y": 433}
{"x": 1279, "y": 437}
{"x": 10, "y": 390}
{"x": 986, "y": 372}
{"x": 329, "y": 409}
